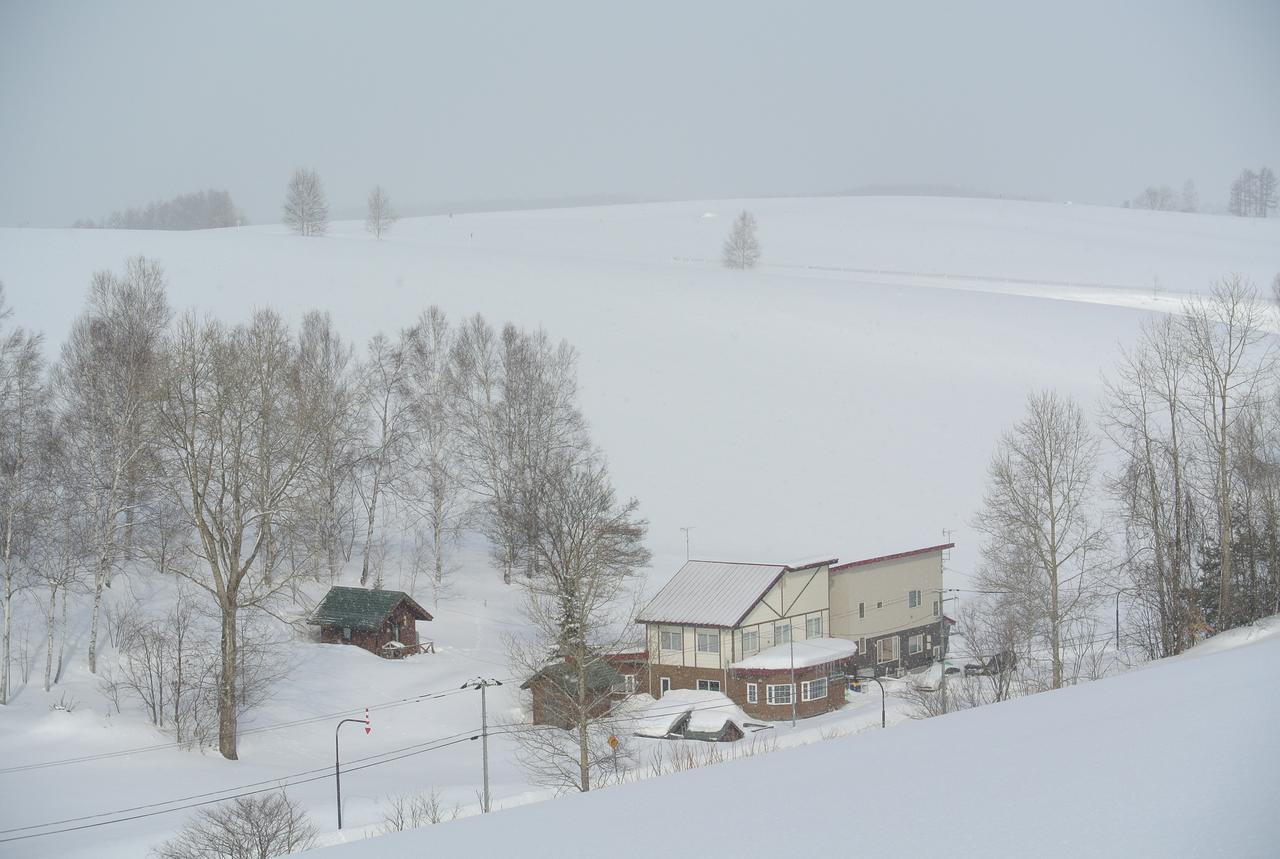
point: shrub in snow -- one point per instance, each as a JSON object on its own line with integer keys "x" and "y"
{"x": 248, "y": 827}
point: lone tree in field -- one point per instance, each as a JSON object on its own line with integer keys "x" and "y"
{"x": 381, "y": 217}
{"x": 742, "y": 248}
{"x": 248, "y": 827}
{"x": 305, "y": 208}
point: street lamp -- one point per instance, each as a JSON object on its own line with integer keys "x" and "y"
{"x": 873, "y": 676}
{"x": 337, "y": 766}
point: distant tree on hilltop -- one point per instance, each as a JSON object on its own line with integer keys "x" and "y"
{"x": 1253, "y": 195}
{"x": 742, "y": 248}
{"x": 199, "y": 210}
{"x": 381, "y": 217}
{"x": 305, "y": 208}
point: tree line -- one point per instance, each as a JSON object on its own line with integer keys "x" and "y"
{"x": 1182, "y": 532}
{"x": 198, "y": 210}
{"x": 244, "y": 461}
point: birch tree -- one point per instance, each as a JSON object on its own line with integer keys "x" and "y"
{"x": 1045, "y": 543}
{"x": 306, "y": 209}
{"x": 1225, "y": 333}
{"x": 381, "y": 217}
{"x": 214, "y": 442}
{"x": 24, "y": 422}
{"x": 590, "y": 548}
{"x": 387, "y": 412}
{"x": 742, "y": 247}
{"x": 105, "y": 388}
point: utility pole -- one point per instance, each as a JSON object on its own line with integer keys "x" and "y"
{"x": 791, "y": 640}
{"x": 686, "y": 531}
{"x": 483, "y": 684}
{"x": 942, "y": 618}
{"x": 337, "y": 766}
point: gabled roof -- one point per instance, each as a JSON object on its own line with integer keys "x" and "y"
{"x": 360, "y": 608}
{"x": 911, "y": 554}
{"x": 711, "y": 593}
{"x": 601, "y": 676}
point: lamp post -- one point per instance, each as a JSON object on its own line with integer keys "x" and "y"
{"x": 337, "y": 765}
{"x": 873, "y": 676}
{"x": 483, "y": 684}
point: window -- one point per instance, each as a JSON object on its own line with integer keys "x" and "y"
{"x": 753, "y": 695}
{"x": 913, "y": 599}
{"x": 750, "y": 642}
{"x": 708, "y": 685}
{"x": 879, "y": 605}
{"x": 862, "y": 610}
{"x": 887, "y": 649}
{"x": 915, "y": 644}
{"x": 628, "y": 683}
{"x": 781, "y": 633}
{"x": 664, "y": 685}
{"x": 814, "y": 689}
{"x": 709, "y": 642}
{"x": 395, "y": 631}
{"x": 672, "y": 639}
{"x": 862, "y": 646}
{"x": 346, "y": 633}
{"x": 935, "y": 608}
{"x": 813, "y": 627}
{"x": 780, "y": 694}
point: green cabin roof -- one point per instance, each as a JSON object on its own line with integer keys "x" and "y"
{"x": 361, "y": 608}
{"x": 600, "y": 676}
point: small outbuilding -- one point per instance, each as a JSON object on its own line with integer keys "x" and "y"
{"x": 554, "y": 692}
{"x": 381, "y": 622}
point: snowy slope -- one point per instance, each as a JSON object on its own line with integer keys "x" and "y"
{"x": 1178, "y": 759}
{"x": 842, "y": 399}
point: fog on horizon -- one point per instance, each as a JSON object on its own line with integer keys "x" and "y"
{"x": 107, "y": 106}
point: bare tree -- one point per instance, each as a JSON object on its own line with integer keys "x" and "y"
{"x": 381, "y": 217}
{"x": 590, "y": 549}
{"x": 386, "y": 410}
{"x": 24, "y": 429}
{"x": 214, "y": 444}
{"x": 306, "y": 209}
{"x": 1044, "y": 543}
{"x": 258, "y": 826}
{"x": 1190, "y": 201}
{"x": 328, "y": 380}
{"x": 105, "y": 388}
{"x": 1157, "y": 197}
{"x": 742, "y": 247}
{"x": 1225, "y": 333}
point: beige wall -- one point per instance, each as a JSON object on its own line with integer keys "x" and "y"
{"x": 887, "y": 583}
{"x": 689, "y": 655}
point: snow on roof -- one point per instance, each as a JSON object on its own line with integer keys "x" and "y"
{"x": 812, "y": 561}
{"x": 707, "y": 712}
{"x": 807, "y": 654}
{"x": 712, "y": 593}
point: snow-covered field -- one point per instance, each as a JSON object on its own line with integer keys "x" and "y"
{"x": 841, "y": 399}
{"x": 1176, "y": 759}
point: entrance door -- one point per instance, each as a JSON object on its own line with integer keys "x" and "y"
{"x": 664, "y": 685}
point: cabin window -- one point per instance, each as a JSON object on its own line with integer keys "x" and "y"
{"x": 814, "y": 689}
{"x": 913, "y": 599}
{"x": 709, "y": 642}
{"x": 395, "y": 631}
{"x": 781, "y": 633}
{"x": 708, "y": 685}
{"x": 750, "y": 642}
{"x": 346, "y": 633}
{"x": 915, "y": 644}
{"x": 672, "y": 639}
{"x": 753, "y": 694}
{"x": 778, "y": 694}
{"x": 813, "y": 627}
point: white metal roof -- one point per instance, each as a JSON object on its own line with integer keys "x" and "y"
{"x": 712, "y": 593}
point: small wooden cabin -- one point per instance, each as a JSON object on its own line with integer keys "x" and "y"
{"x": 381, "y": 622}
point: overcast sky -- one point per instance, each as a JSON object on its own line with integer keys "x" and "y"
{"x": 106, "y": 105}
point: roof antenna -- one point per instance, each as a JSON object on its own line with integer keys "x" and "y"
{"x": 686, "y": 529}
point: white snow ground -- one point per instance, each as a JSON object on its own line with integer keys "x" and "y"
{"x": 1176, "y": 759}
{"x": 831, "y": 401}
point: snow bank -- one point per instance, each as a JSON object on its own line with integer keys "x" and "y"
{"x": 707, "y": 712}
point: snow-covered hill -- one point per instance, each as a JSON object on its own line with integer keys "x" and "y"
{"x": 1177, "y": 759}
{"x": 841, "y": 399}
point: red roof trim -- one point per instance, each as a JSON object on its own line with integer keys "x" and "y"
{"x": 895, "y": 557}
